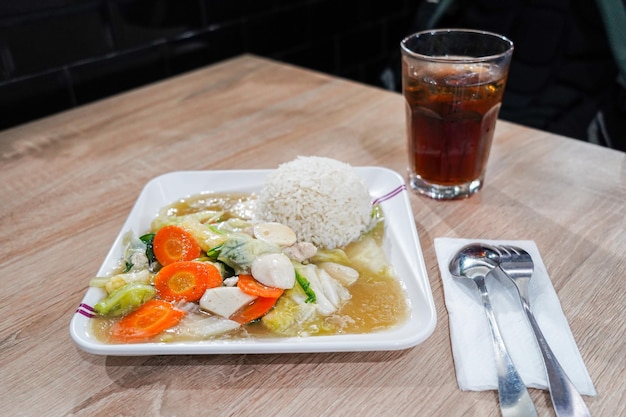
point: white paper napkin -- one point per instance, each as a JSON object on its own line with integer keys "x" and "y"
{"x": 469, "y": 329}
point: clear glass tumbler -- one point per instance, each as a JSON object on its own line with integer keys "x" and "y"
{"x": 452, "y": 81}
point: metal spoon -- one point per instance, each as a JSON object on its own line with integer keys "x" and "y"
{"x": 474, "y": 262}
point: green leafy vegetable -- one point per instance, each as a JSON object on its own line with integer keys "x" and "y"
{"x": 214, "y": 229}
{"x": 214, "y": 252}
{"x": 125, "y": 299}
{"x": 148, "y": 239}
{"x": 110, "y": 284}
{"x": 135, "y": 253}
{"x": 240, "y": 249}
{"x": 306, "y": 287}
{"x": 292, "y": 315}
{"x": 377, "y": 213}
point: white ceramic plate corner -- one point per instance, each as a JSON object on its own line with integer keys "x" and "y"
{"x": 401, "y": 245}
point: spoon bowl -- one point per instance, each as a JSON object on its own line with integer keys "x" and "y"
{"x": 474, "y": 260}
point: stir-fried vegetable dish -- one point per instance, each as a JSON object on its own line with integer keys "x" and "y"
{"x": 208, "y": 270}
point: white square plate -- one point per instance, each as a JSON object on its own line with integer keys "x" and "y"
{"x": 400, "y": 243}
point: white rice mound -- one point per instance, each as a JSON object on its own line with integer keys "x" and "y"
{"x": 323, "y": 200}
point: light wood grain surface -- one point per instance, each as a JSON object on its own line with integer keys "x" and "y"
{"x": 68, "y": 182}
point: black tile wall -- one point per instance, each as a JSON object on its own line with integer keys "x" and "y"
{"x": 56, "y": 54}
{"x": 26, "y": 99}
{"x": 121, "y": 72}
{"x": 278, "y": 30}
{"x": 141, "y": 22}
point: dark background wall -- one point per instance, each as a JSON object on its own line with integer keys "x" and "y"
{"x": 57, "y": 54}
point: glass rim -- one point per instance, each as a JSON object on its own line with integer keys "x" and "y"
{"x": 452, "y": 59}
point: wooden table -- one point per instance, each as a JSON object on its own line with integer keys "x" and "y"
{"x": 68, "y": 182}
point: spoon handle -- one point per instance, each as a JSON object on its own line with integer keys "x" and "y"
{"x": 566, "y": 400}
{"x": 514, "y": 398}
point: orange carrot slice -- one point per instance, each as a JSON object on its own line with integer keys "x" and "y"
{"x": 249, "y": 285}
{"x": 147, "y": 321}
{"x": 256, "y": 309}
{"x": 186, "y": 280}
{"x": 173, "y": 244}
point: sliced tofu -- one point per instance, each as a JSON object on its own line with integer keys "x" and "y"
{"x": 275, "y": 233}
{"x": 224, "y": 301}
{"x": 274, "y": 270}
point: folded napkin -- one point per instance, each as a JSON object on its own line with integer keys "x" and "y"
{"x": 469, "y": 329}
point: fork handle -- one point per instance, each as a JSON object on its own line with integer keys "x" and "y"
{"x": 566, "y": 400}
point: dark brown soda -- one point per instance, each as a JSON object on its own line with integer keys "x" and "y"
{"x": 451, "y": 120}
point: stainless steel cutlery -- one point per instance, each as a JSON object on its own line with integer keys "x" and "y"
{"x": 518, "y": 266}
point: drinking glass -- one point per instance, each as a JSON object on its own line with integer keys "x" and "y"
{"x": 452, "y": 81}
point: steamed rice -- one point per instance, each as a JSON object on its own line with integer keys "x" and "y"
{"x": 323, "y": 200}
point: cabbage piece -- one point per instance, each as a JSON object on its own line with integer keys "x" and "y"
{"x": 377, "y": 217}
{"x": 201, "y": 326}
{"x": 134, "y": 257}
{"x": 336, "y": 293}
{"x": 329, "y": 294}
{"x": 125, "y": 299}
{"x": 331, "y": 255}
{"x": 342, "y": 273}
{"x": 239, "y": 250}
{"x": 366, "y": 254}
{"x": 206, "y": 235}
{"x": 166, "y": 219}
{"x": 234, "y": 225}
{"x": 296, "y": 314}
{"x": 292, "y": 315}
{"x": 116, "y": 281}
{"x": 305, "y": 285}
{"x": 199, "y": 224}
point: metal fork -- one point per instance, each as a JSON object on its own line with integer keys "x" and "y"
{"x": 518, "y": 265}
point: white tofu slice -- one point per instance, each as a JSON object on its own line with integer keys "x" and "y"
{"x": 224, "y": 301}
{"x": 275, "y": 233}
{"x": 274, "y": 270}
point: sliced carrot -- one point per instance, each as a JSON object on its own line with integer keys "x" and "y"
{"x": 150, "y": 319}
{"x": 173, "y": 244}
{"x": 257, "y": 308}
{"x": 186, "y": 280}
{"x": 249, "y": 285}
